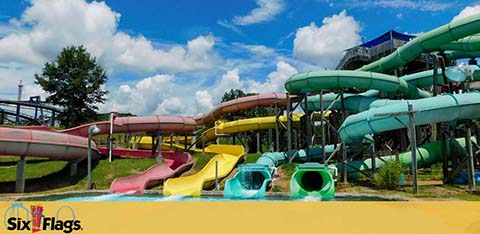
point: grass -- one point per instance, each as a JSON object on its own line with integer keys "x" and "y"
{"x": 34, "y": 169}
{"x": 251, "y": 158}
{"x": 105, "y": 172}
{"x": 200, "y": 161}
{"x": 289, "y": 169}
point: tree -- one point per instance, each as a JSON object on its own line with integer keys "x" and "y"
{"x": 73, "y": 81}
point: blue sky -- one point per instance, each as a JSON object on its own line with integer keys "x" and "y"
{"x": 177, "y": 57}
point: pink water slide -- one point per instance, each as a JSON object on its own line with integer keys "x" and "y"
{"x": 175, "y": 163}
{"x": 41, "y": 143}
{"x": 71, "y": 144}
{"x": 243, "y": 103}
{"x": 138, "y": 124}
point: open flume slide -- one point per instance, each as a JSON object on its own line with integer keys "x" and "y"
{"x": 192, "y": 185}
{"x": 175, "y": 163}
{"x": 237, "y": 126}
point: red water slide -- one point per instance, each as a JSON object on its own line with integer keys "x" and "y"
{"x": 175, "y": 163}
{"x": 243, "y": 103}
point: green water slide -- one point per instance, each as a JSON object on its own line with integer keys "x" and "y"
{"x": 434, "y": 109}
{"x": 443, "y": 108}
{"x": 427, "y": 155}
{"x": 252, "y": 179}
{"x": 355, "y": 103}
{"x": 313, "y": 180}
{"x": 427, "y": 42}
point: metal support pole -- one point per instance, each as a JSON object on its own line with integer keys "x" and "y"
{"x": 194, "y": 141}
{"x": 110, "y": 133}
{"x": 217, "y": 187}
{"x": 435, "y": 76}
{"x": 277, "y": 131}
{"x": 171, "y": 142}
{"x": 289, "y": 127}
{"x": 89, "y": 161}
{"x": 159, "y": 157}
{"x": 471, "y": 166}
{"x": 20, "y": 177}
{"x": 344, "y": 162}
{"x": 134, "y": 146}
{"x": 372, "y": 157}
{"x": 308, "y": 126}
{"x": 443, "y": 140}
{"x": 322, "y": 126}
{"x": 413, "y": 142}
{"x": 259, "y": 146}
{"x": 270, "y": 148}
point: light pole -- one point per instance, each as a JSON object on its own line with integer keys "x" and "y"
{"x": 91, "y": 130}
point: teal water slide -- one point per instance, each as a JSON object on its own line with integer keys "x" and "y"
{"x": 453, "y": 36}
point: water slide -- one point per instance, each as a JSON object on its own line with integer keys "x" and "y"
{"x": 71, "y": 144}
{"x": 243, "y": 103}
{"x": 355, "y": 127}
{"x": 175, "y": 163}
{"x": 47, "y": 144}
{"x": 192, "y": 185}
{"x": 237, "y": 126}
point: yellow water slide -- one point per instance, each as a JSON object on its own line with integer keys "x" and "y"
{"x": 226, "y": 158}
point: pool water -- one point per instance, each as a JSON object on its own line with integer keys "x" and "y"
{"x": 131, "y": 198}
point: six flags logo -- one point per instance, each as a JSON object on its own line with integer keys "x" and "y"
{"x": 34, "y": 220}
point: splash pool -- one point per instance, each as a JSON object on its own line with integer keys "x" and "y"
{"x": 209, "y": 197}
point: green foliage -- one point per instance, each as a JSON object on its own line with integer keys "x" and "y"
{"x": 73, "y": 81}
{"x": 106, "y": 116}
{"x": 388, "y": 176}
{"x": 251, "y": 158}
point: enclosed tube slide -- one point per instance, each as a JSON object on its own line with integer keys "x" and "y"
{"x": 138, "y": 124}
{"x": 253, "y": 179}
{"x": 242, "y": 103}
{"x": 430, "y": 41}
{"x": 47, "y": 144}
{"x": 333, "y": 80}
{"x": 431, "y": 110}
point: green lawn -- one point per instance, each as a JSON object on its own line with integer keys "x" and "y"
{"x": 105, "y": 172}
{"x": 34, "y": 169}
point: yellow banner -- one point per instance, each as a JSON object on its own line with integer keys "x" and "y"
{"x": 240, "y": 217}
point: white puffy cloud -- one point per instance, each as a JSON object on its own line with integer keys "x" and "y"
{"x": 207, "y": 98}
{"x": 171, "y": 106}
{"x": 143, "y": 97}
{"x": 266, "y": 11}
{"x": 161, "y": 94}
{"x": 325, "y": 45}
{"x": 467, "y": 11}
{"x": 49, "y": 25}
{"x": 276, "y": 80}
{"x": 203, "y": 101}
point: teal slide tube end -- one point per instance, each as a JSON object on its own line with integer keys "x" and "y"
{"x": 251, "y": 181}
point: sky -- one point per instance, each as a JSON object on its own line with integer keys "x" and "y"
{"x": 178, "y": 57}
